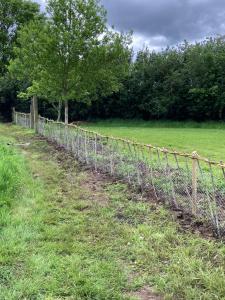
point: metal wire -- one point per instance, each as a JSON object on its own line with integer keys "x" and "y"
{"x": 169, "y": 176}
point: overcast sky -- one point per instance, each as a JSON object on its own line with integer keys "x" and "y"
{"x": 159, "y": 23}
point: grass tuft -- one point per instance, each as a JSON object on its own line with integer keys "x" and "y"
{"x": 12, "y": 175}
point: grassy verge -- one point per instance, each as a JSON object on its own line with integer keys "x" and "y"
{"x": 12, "y": 176}
{"x": 70, "y": 235}
{"x": 205, "y": 138}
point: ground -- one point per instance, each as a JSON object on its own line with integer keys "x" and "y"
{"x": 205, "y": 138}
{"x": 75, "y": 234}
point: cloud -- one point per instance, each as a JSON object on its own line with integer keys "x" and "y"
{"x": 155, "y": 43}
{"x": 42, "y": 4}
{"x": 159, "y": 23}
{"x": 167, "y": 22}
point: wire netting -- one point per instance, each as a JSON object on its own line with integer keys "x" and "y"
{"x": 185, "y": 182}
{"x": 22, "y": 119}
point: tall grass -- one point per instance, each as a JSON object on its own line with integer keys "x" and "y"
{"x": 12, "y": 176}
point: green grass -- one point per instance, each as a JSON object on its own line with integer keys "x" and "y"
{"x": 11, "y": 175}
{"x": 205, "y": 138}
{"x": 68, "y": 235}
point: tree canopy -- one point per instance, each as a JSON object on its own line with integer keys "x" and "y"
{"x": 71, "y": 55}
{"x": 178, "y": 83}
{"x": 14, "y": 14}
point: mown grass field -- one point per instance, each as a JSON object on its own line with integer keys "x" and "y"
{"x": 208, "y": 139}
{"x": 67, "y": 233}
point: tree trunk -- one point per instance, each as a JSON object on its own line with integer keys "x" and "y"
{"x": 13, "y": 114}
{"x": 66, "y": 112}
{"x": 59, "y": 111}
{"x": 221, "y": 113}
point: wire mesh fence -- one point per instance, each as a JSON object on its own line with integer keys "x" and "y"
{"x": 185, "y": 182}
{"x": 22, "y": 119}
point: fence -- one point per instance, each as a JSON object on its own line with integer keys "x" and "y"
{"x": 185, "y": 182}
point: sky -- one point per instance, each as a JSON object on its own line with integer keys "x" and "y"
{"x": 161, "y": 23}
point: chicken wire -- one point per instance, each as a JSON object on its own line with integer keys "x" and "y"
{"x": 22, "y": 119}
{"x": 185, "y": 182}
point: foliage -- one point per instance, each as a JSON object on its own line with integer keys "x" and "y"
{"x": 183, "y": 82}
{"x": 14, "y": 14}
{"x": 72, "y": 54}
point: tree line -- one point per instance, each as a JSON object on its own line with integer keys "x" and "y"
{"x": 79, "y": 68}
{"x": 178, "y": 83}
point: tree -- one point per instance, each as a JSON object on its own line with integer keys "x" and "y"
{"x": 73, "y": 55}
{"x": 13, "y": 15}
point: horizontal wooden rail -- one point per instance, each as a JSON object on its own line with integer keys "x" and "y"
{"x": 221, "y": 164}
{"x": 185, "y": 181}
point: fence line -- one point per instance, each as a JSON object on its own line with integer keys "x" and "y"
{"x": 184, "y": 181}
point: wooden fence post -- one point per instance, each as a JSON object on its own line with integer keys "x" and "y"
{"x": 35, "y": 112}
{"x": 31, "y": 115}
{"x": 194, "y": 182}
{"x": 13, "y": 114}
{"x": 66, "y": 112}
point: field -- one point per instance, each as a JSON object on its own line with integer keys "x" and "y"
{"x": 205, "y": 138}
{"x": 67, "y": 233}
